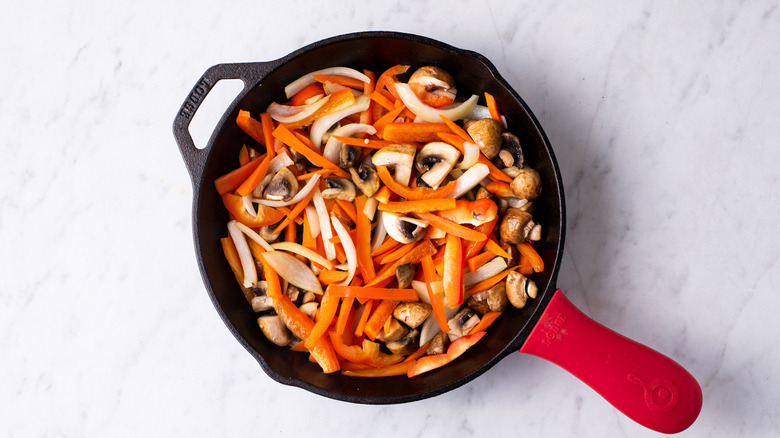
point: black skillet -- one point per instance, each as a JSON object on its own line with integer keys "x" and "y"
{"x": 645, "y": 385}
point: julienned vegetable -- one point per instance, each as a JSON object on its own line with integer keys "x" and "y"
{"x": 386, "y": 229}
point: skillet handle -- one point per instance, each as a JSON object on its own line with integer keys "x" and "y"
{"x": 645, "y": 385}
{"x": 250, "y": 73}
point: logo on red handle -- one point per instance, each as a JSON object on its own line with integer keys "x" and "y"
{"x": 660, "y": 395}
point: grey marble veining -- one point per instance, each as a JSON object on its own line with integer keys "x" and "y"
{"x": 663, "y": 119}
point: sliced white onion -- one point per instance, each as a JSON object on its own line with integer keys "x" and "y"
{"x": 325, "y": 230}
{"x": 422, "y": 289}
{"x": 313, "y": 220}
{"x": 370, "y": 208}
{"x": 300, "y": 83}
{"x": 248, "y": 205}
{"x": 321, "y": 125}
{"x": 470, "y": 157}
{"x": 302, "y": 250}
{"x": 293, "y": 270}
{"x": 292, "y": 114}
{"x": 252, "y": 234}
{"x": 281, "y": 160}
{"x": 482, "y": 112}
{"x": 430, "y": 327}
{"x": 298, "y": 196}
{"x": 486, "y": 271}
{"x": 430, "y": 114}
{"x": 349, "y": 248}
{"x": 380, "y": 232}
{"x": 332, "y": 148}
{"x": 244, "y": 255}
{"x": 469, "y": 180}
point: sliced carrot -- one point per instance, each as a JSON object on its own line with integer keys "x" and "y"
{"x": 453, "y": 271}
{"x": 287, "y": 137}
{"x": 484, "y": 322}
{"x": 451, "y": 227}
{"x": 291, "y": 232}
{"x": 494, "y": 247}
{"x": 307, "y": 240}
{"x": 348, "y": 207}
{"x": 457, "y": 130}
{"x": 254, "y": 178}
{"x": 389, "y": 78}
{"x": 479, "y": 260}
{"x": 251, "y": 126}
{"x": 327, "y": 311}
{"x": 299, "y": 207}
{"x": 364, "y": 317}
{"x": 305, "y": 139}
{"x": 375, "y": 293}
{"x": 366, "y": 117}
{"x": 437, "y": 303}
{"x": 233, "y": 179}
{"x": 305, "y": 176}
{"x": 492, "y": 107}
{"x": 398, "y": 253}
{"x": 500, "y": 188}
{"x": 363, "y": 240}
{"x": 414, "y": 256}
{"x": 329, "y": 276}
{"x": 413, "y": 132}
{"x": 490, "y": 282}
{"x": 420, "y": 206}
{"x": 341, "y": 80}
{"x": 386, "y": 119}
{"x": 268, "y": 129}
{"x": 243, "y": 155}
{"x": 378, "y": 318}
{"x": 344, "y": 316}
{"x": 388, "y": 245}
{"x": 527, "y": 250}
{"x": 416, "y": 193}
{"x": 381, "y": 99}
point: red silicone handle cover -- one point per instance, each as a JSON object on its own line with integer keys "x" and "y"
{"x": 647, "y": 386}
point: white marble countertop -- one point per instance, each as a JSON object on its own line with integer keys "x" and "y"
{"x": 664, "y": 121}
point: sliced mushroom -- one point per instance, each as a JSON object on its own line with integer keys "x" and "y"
{"x": 294, "y": 294}
{"x": 515, "y": 226}
{"x": 487, "y": 135}
{"x": 506, "y": 158}
{"x": 462, "y": 322}
{"x": 260, "y": 188}
{"x": 339, "y": 188}
{"x": 405, "y": 345}
{"x": 405, "y": 274}
{"x": 435, "y": 160}
{"x": 349, "y": 156}
{"x": 282, "y": 187}
{"x": 412, "y": 313}
{"x": 527, "y": 184}
{"x": 365, "y": 178}
{"x": 491, "y": 300}
{"x": 310, "y": 309}
{"x": 519, "y": 288}
{"x": 261, "y": 302}
{"x": 511, "y": 144}
{"x": 267, "y": 232}
{"x": 514, "y": 255}
{"x": 398, "y": 158}
{"x": 438, "y": 344}
{"x": 396, "y": 331}
{"x": 511, "y": 172}
{"x": 433, "y": 86}
{"x": 274, "y": 329}
{"x": 402, "y": 228}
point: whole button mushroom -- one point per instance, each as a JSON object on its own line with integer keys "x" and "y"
{"x": 487, "y": 134}
{"x": 515, "y": 225}
{"x": 527, "y": 184}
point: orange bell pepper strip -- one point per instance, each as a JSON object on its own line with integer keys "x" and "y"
{"x": 378, "y": 318}
{"x": 345, "y": 313}
{"x": 480, "y": 259}
{"x": 367, "y": 116}
{"x": 453, "y": 271}
{"x": 413, "y": 132}
{"x": 457, "y": 130}
{"x": 328, "y": 307}
{"x": 389, "y": 78}
{"x": 383, "y": 195}
{"x": 251, "y": 126}
{"x": 416, "y": 193}
{"x": 527, "y": 250}
{"x": 495, "y": 248}
{"x": 368, "y": 354}
{"x": 265, "y": 215}
{"x": 307, "y": 93}
{"x": 500, "y": 188}
{"x": 254, "y": 179}
{"x": 268, "y": 129}
{"x": 287, "y": 137}
{"x": 451, "y": 227}
{"x": 414, "y": 256}
{"x": 429, "y": 274}
{"x": 336, "y": 102}
{"x": 455, "y": 350}
{"x": 495, "y": 173}
{"x": 233, "y": 179}
{"x": 472, "y": 248}
{"x": 492, "y": 107}
{"x": 376, "y": 293}
{"x": 484, "y": 322}
{"x": 299, "y": 324}
{"x": 386, "y": 119}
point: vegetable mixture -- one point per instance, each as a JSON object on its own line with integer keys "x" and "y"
{"x": 388, "y": 222}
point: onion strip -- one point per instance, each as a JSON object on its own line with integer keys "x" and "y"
{"x": 293, "y": 270}
{"x": 489, "y": 269}
{"x": 332, "y": 148}
{"x": 470, "y": 157}
{"x": 302, "y": 250}
{"x": 307, "y": 79}
{"x": 469, "y": 180}
{"x": 325, "y": 230}
{"x": 291, "y": 114}
{"x": 321, "y": 125}
{"x": 349, "y": 248}
{"x": 254, "y": 236}
{"x": 247, "y": 262}
{"x": 430, "y": 114}
{"x": 314, "y": 221}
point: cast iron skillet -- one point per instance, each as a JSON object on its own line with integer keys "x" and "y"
{"x": 646, "y": 386}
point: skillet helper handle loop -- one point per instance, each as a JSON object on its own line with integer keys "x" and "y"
{"x": 645, "y": 385}
{"x": 249, "y": 73}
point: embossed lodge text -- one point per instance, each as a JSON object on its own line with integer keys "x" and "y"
{"x": 194, "y": 98}
{"x": 552, "y": 331}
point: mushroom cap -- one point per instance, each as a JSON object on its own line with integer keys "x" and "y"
{"x": 405, "y": 274}
{"x": 527, "y": 184}
{"x": 412, "y": 313}
{"x": 339, "y": 188}
{"x": 402, "y": 228}
{"x": 398, "y": 158}
{"x": 349, "y": 156}
{"x": 365, "y": 178}
{"x": 519, "y": 288}
{"x": 487, "y": 135}
{"x": 282, "y": 187}
{"x": 435, "y": 161}
{"x": 513, "y": 225}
